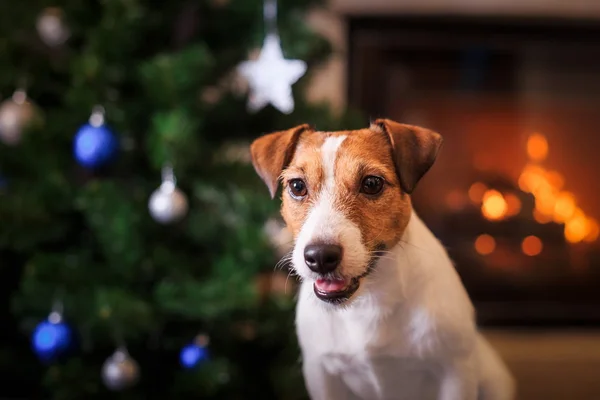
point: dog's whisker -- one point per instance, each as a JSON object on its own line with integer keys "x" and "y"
{"x": 283, "y": 261}
{"x": 290, "y": 272}
{"x": 416, "y": 247}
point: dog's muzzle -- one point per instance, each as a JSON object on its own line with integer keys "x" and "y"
{"x": 337, "y": 289}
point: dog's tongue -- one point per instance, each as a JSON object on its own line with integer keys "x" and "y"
{"x": 331, "y": 285}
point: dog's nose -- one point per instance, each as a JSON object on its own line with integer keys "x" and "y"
{"x": 322, "y": 258}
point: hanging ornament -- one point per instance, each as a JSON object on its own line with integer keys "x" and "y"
{"x": 52, "y": 337}
{"x": 95, "y": 144}
{"x": 16, "y": 114}
{"x": 120, "y": 371}
{"x": 168, "y": 204}
{"x": 51, "y": 27}
{"x": 271, "y": 76}
{"x": 194, "y": 353}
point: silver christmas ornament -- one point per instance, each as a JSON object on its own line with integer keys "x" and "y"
{"x": 51, "y": 27}
{"x": 16, "y": 114}
{"x": 120, "y": 371}
{"x": 168, "y": 204}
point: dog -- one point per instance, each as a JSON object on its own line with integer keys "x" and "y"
{"x": 381, "y": 311}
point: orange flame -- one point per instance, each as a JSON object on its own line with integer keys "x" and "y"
{"x": 537, "y": 147}
{"x": 565, "y": 207}
{"x": 593, "y": 231}
{"x": 476, "y": 192}
{"x": 532, "y": 246}
{"x": 494, "y": 205}
{"x": 551, "y": 203}
{"x": 485, "y": 244}
{"x": 513, "y": 204}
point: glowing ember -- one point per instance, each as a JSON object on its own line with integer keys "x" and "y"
{"x": 537, "y": 147}
{"x": 593, "y": 231}
{"x": 576, "y": 229}
{"x": 476, "y": 192}
{"x": 494, "y": 205}
{"x": 513, "y": 204}
{"x": 565, "y": 207}
{"x": 552, "y": 204}
{"x": 531, "y": 177}
{"x": 555, "y": 179}
{"x": 545, "y": 204}
{"x": 485, "y": 244}
{"x": 532, "y": 246}
{"x": 540, "y": 217}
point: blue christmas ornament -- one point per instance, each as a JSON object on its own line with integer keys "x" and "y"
{"x": 192, "y": 355}
{"x": 95, "y": 144}
{"x": 51, "y": 337}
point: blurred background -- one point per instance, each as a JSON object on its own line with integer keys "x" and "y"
{"x": 137, "y": 245}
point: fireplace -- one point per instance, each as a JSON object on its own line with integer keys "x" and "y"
{"x": 515, "y": 193}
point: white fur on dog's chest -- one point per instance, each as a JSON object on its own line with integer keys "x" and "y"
{"x": 373, "y": 360}
{"x": 386, "y": 378}
{"x": 372, "y": 363}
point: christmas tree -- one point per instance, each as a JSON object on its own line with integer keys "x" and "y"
{"x": 130, "y": 215}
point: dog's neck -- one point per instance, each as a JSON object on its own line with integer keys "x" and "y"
{"x": 408, "y": 261}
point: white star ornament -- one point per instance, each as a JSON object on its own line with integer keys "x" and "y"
{"x": 271, "y": 77}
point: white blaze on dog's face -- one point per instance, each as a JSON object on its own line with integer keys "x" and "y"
{"x": 345, "y": 195}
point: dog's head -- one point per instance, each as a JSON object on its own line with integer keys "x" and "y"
{"x": 346, "y": 195}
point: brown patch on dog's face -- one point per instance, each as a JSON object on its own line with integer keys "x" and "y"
{"x": 382, "y": 217}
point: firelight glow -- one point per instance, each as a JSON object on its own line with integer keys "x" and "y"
{"x": 485, "y": 244}
{"x": 532, "y": 246}
{"x": 576, "y": 229}
{"x": 551, "y": 202}
{"x": 537, "y": 147}
{"x": 565, "y": 207}
{"x": 494, "y": 205}
{"x": 513, "y": 204}
{"x": 476, "y": 192}
{"x": 593, "y": 231}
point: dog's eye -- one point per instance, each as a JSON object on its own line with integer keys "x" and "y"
{"x": 297, "y": 188}
{"x": 371, "y": 185}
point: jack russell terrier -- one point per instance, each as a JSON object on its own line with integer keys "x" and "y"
{"x": 382, "y": 313}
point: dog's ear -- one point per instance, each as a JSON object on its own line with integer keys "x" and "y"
{"x": 414, "y": 150}
{"x": 272, "y": 153}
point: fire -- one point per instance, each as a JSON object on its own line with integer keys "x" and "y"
{"x": 537, "y": 147}
{"x": 593, "y": 231}
{"x": 476, "y": 192}
{"x": 565, "y": 207}
{"x": 494, "y": 205}
{"x": 513, "y": 204}
{"x": 532, "y": 246}
{"x": 555, "y": 179}
{"x": 540, "y": 217}
{"x": 551, "y": 202}
{"x": 485, "y": 244}
{"x": 576, "y": 229}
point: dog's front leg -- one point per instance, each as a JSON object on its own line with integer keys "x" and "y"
{"x": 321, "y": 384}
{"x": 459, "y": 380}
